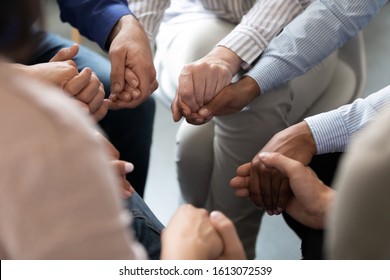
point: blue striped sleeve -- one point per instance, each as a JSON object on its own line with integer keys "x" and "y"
{"x": 313, "y": 35}
{"x": 332, "y": 130}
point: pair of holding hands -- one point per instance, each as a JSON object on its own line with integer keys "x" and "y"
{"x": 205, "y": 89}
{"x": 194, "y": 234}
{"x": 278, "y": 179}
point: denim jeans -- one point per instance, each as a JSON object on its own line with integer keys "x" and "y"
{"x": 146, "y": 226}
{"x": 129, "y": 130}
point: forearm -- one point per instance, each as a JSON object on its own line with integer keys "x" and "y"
{"x": 259, "y": 26}
{"x": 94, "y": 19}
{"x": 332, "y": 130}
{"x": 321, "y": 29}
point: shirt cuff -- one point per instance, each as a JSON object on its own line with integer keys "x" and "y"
{"x": 246, "y": 43}
{"x": 329, "y": 132}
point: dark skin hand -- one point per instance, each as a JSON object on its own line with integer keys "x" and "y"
{"x": 269, "y": 189}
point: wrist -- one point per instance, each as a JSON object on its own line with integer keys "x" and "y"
{"x": 250, "y": 86}
{"x": 307, "y": 137}
{"x": 121, "y": 23}
{"x": 229, "y": 57}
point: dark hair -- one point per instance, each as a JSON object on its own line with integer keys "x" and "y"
{"x": 16, "y": 20}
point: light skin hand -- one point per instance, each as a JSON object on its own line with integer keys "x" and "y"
{"x": 295, "y": 142}
{"x": 190, "y": 235}
{"x": 133, "y": 75}
{"x": 87, "y": 88}
{"x": 312, "y": 198}
{"x": 57, "y": 73}
{"x": 201, "y": 80}
{"x": 232, "y": 246}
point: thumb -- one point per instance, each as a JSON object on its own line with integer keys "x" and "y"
{"x": 233, "y": 248}
{"x": 215, "y": 107}
{"x": 66, "y": 53}
{"x": 287, "y": 166}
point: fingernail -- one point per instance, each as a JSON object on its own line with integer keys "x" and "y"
{"x": 204, "y": 112}
{"x": 128, "y": 167}
{"x": 216, "y": 215}
{"x": 117, "y": 87}
{"x": 136, "y": 94}
{"x": 270, "y": 212}
{"x": 133, "y": 83}
{"x": 263, "y": 155}
{"x": 126, "y": 193}
{"x": 280, "y": 209}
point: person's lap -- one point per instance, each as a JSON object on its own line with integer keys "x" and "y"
{"x": 146, "y": 226}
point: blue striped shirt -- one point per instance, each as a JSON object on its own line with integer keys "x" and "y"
{"x": 332, "y": 130}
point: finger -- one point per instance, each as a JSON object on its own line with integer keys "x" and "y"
{"x": 276, "y": 180}
{"x": 176, "y": 109}
{"x": 131, "y": 78}
{"x": 215, "y": 106}
{"x": 284, "y": 195}
{"x": 266, "y": 188}
{"x": 117, "y": 76}
{"x": 254, "y": 187}
{"x": 101, "y": 112}
{"x": 240, "y": 182}
{"x": 154, "y": 85}
{"x": 199, "y": 85}
{"x": 186, "y": 89}
{"x": 210, "y": 90}
{"x": 242, "y": 193}
{"x": 97, "y": 99}
{"x": 66, "y": 53}
{"x": 75, "y": 85}
{"x": 93, "y": 94}
{"x": 288, "y": 167}
{"x": 123, "y": 167}
{"x": 244, "y": 170}
{"x": 232, "y": 246}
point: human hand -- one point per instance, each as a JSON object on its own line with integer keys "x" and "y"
{"x": 201, "y": 80}
{"x": 122, "y": 167}
{"x": 232, "y": 246}
{"x": 190, "y": 235}
{"x": 231, "y": 99}
{"x": 312, "y": 198}
{"x": 87, "y": 88}
{"x": 84, "y": 87}
{"x": 58, "y": 71}
{"x": 133, "y": 76}
{"x": 269, "y": 188}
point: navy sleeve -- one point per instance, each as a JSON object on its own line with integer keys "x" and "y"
{"x": 93, "y": 18}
